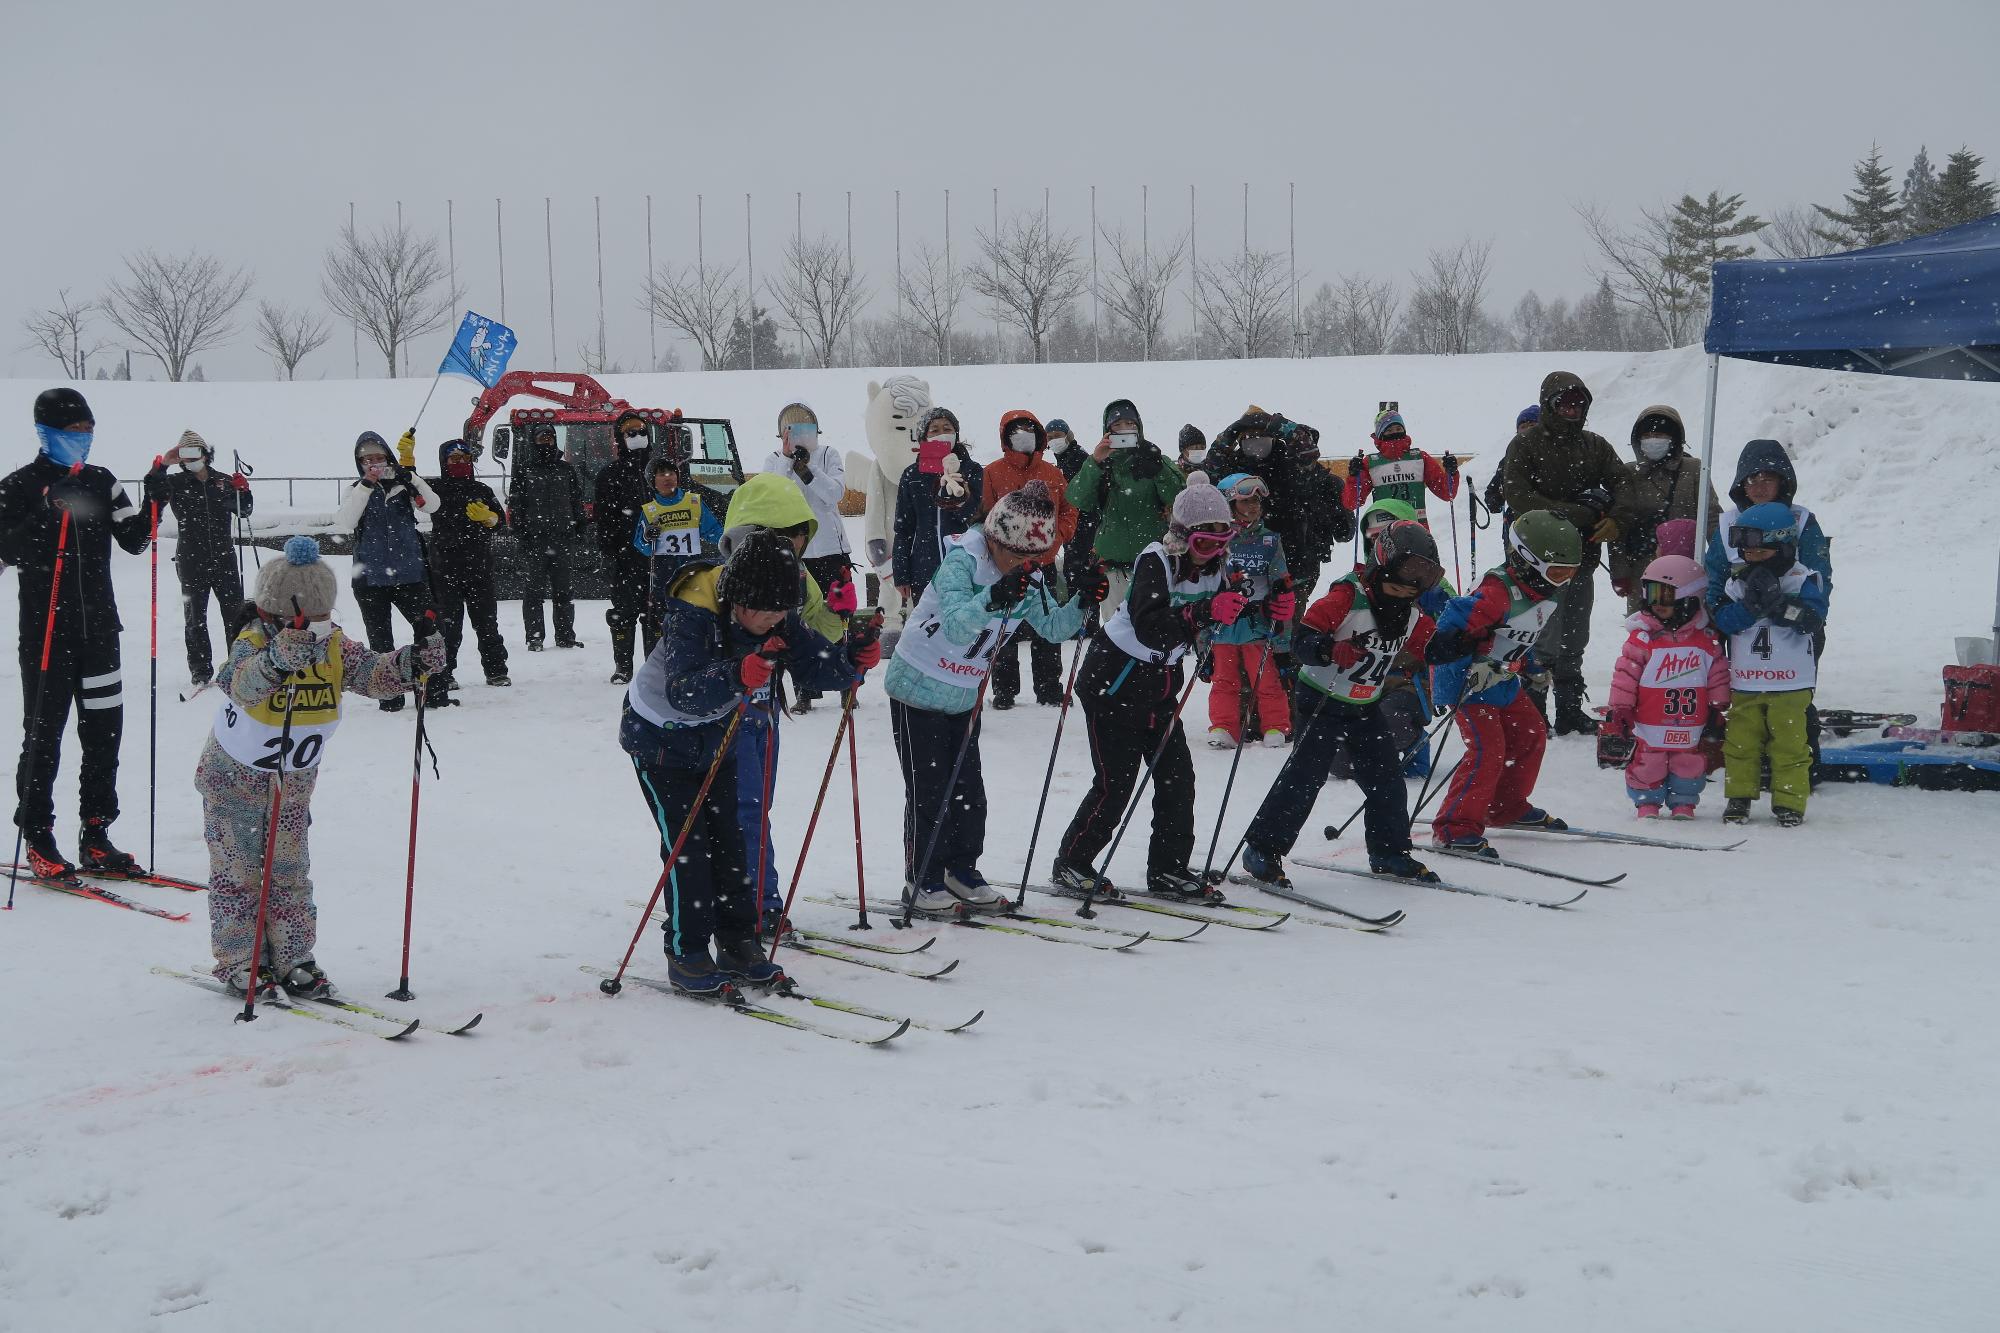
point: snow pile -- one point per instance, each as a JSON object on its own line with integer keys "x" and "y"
{"x": 1750, "y": 1090}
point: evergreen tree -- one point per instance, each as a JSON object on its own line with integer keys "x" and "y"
{"x": 1598, "y": 326}
{"x": 1701, "y": 231}
{"x": 1920, "y": 196}
{"x": 1961, "y": 195}
{"x": 1872, "y": 216}
{"x": 771, "y": 354}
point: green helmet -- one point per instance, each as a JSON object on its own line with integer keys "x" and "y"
{"x": 1540, "y": 539}
{"x": 1384, "y": 510}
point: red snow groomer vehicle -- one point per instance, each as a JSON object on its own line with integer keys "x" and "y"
{"x": 579, "y": 415}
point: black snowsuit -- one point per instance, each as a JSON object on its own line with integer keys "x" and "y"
{"x": 622, "y": 488}
{"x": 83, "y": 652}
{"x": 205, "y": 506}
{"x": 462, "y": 573}
{"x": 1082, "y": 546}
{"x": 1304, "y": 506}
{"x": 545, "y": 507}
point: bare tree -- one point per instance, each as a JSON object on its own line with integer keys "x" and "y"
{"x": 819, "y": 292}
{"x": 1139, "y": 284}
{"x": 1244, "y": 300}
{"x": 1029, "y": 275}
{"x": 289, "y": 336}
{"x": 175, "y": 305}
{"x": 703, "y": 303}
{"x": 931, "y": 289}
{"x": 1793, "y": 233}
{"x": 1647, "y": 269}
{"x": 1447, "y": 315}
{"x": 394, "y": 286}
{"x": 59, "y": 332}
{"x": 1367, "y": 318}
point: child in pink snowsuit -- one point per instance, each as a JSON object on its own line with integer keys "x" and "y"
{"x": 1669, "y": 689}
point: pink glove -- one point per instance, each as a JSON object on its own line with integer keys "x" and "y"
{"x": 1225, "y": 607}
{"x": 1281, "y": 606}
{"x": 841, "y": 598}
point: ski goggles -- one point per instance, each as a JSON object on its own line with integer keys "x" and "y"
{"x": 1658, "y": 593}
{"x": 1758, "y": 539}
{"x": 1559, "y": 574}
{"x": 1250, "y": 488}
{"x": 1570, "y": 401}
{"x": 1415, "y": 571}
{"x": 190, "y": 452}
{"x": 1206, "y": 545}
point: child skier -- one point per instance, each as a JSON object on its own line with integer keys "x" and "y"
{"x": 1484, "y": 649}
{"x": 462, "y": 569}
{"x": 1245, "y": 653}
{"x": 1407, "y": 712}
{"x": 1668, "y": 689}
{"x": 290, "y": 654}
{"x": 676, "y": 525}
{"x": 727, "y": 631}
{"x": 1129, "y": 684}
{"x": 1364, "y": 633}
{"x": 1398, "y": 470}
{"x": 993, "y": 580}
{"x": 1772, "y": 606}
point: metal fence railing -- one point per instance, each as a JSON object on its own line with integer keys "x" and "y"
{"x": 319, "y": 492}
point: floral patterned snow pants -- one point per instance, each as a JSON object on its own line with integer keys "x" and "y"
{"x": 236, "y": 802}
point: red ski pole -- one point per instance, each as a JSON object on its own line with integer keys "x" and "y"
{"x": 825, "y": 780}
{"x": 249, "y": 1014}
{"x": 613, "y": 984}
{"x": 153, "y": 712}
{"x": 42, "y": 680}
{"x": 403, "y": 991}
{"x": 854, "y": 784}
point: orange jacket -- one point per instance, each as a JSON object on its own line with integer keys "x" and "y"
{"x": 1013, "y": 471}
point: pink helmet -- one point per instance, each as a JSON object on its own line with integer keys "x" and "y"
{"x": 1686, "y": 577}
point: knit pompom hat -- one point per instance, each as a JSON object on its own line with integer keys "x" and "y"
{"x": 1199, "y": 504}
{"x": 301, "y": 575}
{"x": 1386, "y": 418}
{"x": 1024, "y": 520}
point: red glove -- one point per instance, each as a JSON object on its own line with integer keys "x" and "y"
{"x": 1225, "y": 607}
{"x": 1618, "y": 722}
{"x": 1281, "y": 605}
{"x": 1345, "y": 653}
{"x": 756, "y": 669}
{"x": 160, "y": 463}
{"x": 239, "y": 481}
{"x": 841, "y": 598}
{"x": 866, "y": 655}
{"x": 1623, "y": 587}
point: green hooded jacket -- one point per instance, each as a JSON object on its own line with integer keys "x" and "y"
{"x": 1553, "y": 462}
{"x": 773, "y": 500}
{"x": 1134, "y": 509}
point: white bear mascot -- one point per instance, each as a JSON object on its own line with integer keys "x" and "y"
{"x": 895, "y": 407}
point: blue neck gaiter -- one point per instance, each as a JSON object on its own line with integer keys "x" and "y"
{"x": 67, "y": 447}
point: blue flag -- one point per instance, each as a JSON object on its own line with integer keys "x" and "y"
{"x": 480, "y": 351}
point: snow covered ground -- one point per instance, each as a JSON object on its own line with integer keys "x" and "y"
{"x": 1742, "y": 1091}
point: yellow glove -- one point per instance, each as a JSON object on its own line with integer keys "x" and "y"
{"x": 1606, "y": 530}
{"x": 478, "y": 512}
{"x": 406, "y": 448}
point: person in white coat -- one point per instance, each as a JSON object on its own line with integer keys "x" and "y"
{"x": 816, "y": 468}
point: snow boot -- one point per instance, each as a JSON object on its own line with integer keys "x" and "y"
{"x": 695, "y": 973}
{"x": 99, "y": 857}
{"x": 744, "y": 961}
{"x": 394, "y": 705}
{"x": 1788, "y": 817}
{"x": 971, "y": 888}
{"x": 1651, "y": 810}
{"x": 1536, "y": 817}
{"x": 1736, "y": 810}
{"x": 1220, "y": 739}
{"x": 534, "y": 645}
{"x": 1002, "y": 702}
{"x": 1400, "y": 865}
{"x": 621, "y": 654}
{"x": 200, "y": 676}
{"x": 1571, "y": 720}
{"x": 1082, "y": 879}
{"x": 1262, "y": 866}
{"x": 571, "y": 642}
{"x": 1683, "y": 812}
{"x": 1469, "y": 845}
{"x": 498, "y": 679}
{"x": 45, "y": 860}
{"x": 437, "y": 692}
{"x": 306, "y": 982}
{"x": 1182, "y": 885}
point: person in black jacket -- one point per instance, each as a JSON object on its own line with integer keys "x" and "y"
{"x": 1304, "y": 508}
{"x": 388, "y": 510}
{"x": 1069, "y": 457}
{"x": 82, "y": 662}
{"x": 462, "y": 569}
{"x": 206, "y": 506}
{"x": 937, "y": 497}
{"x": 621, "y": 490}
{"x": 545, "y": 504}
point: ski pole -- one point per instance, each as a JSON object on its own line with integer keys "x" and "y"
{"x": 249, "y": 1014}
{"x": 1426, "y": 797}
{"x": 1335, "y": 830}
{"x": 1084, "y": 908}
{"x": 922, "y": 867}
{"x": 764, "y": 810}
{"x": 1283, "y": 769}
{"x": 1457, "y": 576}
{"x": 243, "y": 522}
{"x": 854, "y": 785}
{"x": 1041, "y": 806}
{"x": 153, "y": 709}
{"x": 403, "y": 991}
{"x": 805, "y": 844}
{"x": 42, "y": 681}
{"x": 613, "y": 984}
{"x": 1215, "y": 838}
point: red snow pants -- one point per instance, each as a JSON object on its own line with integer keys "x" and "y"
{"x": 1503, "y": 757}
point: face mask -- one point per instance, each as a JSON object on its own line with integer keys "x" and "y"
{"x": 321, "y": 629}
{"x": 1197, "y": 455}
{"x": 945, "y": 438}
{"x": 460, "y": 468}
{"x": 1257, "y": 446}
{"x": 67, "y": 447}
{"x": 635, "y": 442}
{"x": 1022, "y": 442}
{"x": 1655, "y": 447}
{"x": 1125, "y": 439}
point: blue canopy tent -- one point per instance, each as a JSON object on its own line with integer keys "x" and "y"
{"x": 1928, "y": 307}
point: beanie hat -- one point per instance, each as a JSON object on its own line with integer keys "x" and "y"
{"x": 1529, "y": 415}
{"x": 1024, "y": 520}
{"x": 1060, "y": 427}
{"x": 301, "y": 575}
{"x": 938, "y": 414}
{"x": 450, "y": 447}
{"x": 796, "y": 414}
{"x": 61, "y": 409}
{"x": 1192, "y": 438}
{"x": 763, "y": 574}
{"x": 188, "y": 437}
{"x": 1386, "y": 418}
{"x": 1198, "y": 505}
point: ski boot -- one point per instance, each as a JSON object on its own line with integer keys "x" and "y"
{"x": 1401, "y": 865}
{"x": 931, "y": 901}
{"x": 45, "y": 860}
{"x": 1736, "y": 810}
{"x": 1049, "y": 698}
{"x": 201, "y": 676}
{"x": 777, "y": 926}
{"x": 535, "y": 645}
{"x": 1002, "y": 702}
{"x": 1182, "y": 885}
{"x": 99, "y": 857}
{"x": 1264, "y": 867}
{"x": 1536, "y": 817}
{"x": 621, "y": 676}
{"x": 744, "y": 962}
{"x": 1650, "y": 810}
{"x": 970, "y": 887}
{"x": 695, "y": 973}
{"x": 306, "y": 982}
{"x": 1276, "y": 740}
{"x": 1470, "y": 844}
{"x": 437, "y": 692}
{"x": 267, "y": 986}
{"x": 1788, "y": 817}
{"x": 1080, "y": 880}
{"x": 1220, "y": 739}
{"x": 571, "y": 642}
{"x": 394, "y": 705}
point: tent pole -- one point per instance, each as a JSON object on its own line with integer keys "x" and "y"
{"x": 1707, "y": 458}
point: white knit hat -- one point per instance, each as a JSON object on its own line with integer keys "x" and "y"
{"x": 1199, "y": 505}
{"x": 301, "y": 575}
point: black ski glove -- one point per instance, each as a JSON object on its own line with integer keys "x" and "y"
{"x": 1448, "y": 645}
{"x": 1763, "y": 594}
{"x": 1146, "y": 460}
{"x": 1090, "y": 584}
{"x": 802, "y": 468}
{"x": 1011, "y": 588}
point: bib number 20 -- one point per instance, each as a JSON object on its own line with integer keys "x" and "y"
{"x": 304, "y": 753}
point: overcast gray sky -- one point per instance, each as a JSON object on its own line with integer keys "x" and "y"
{"x": 247, "y": 128}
